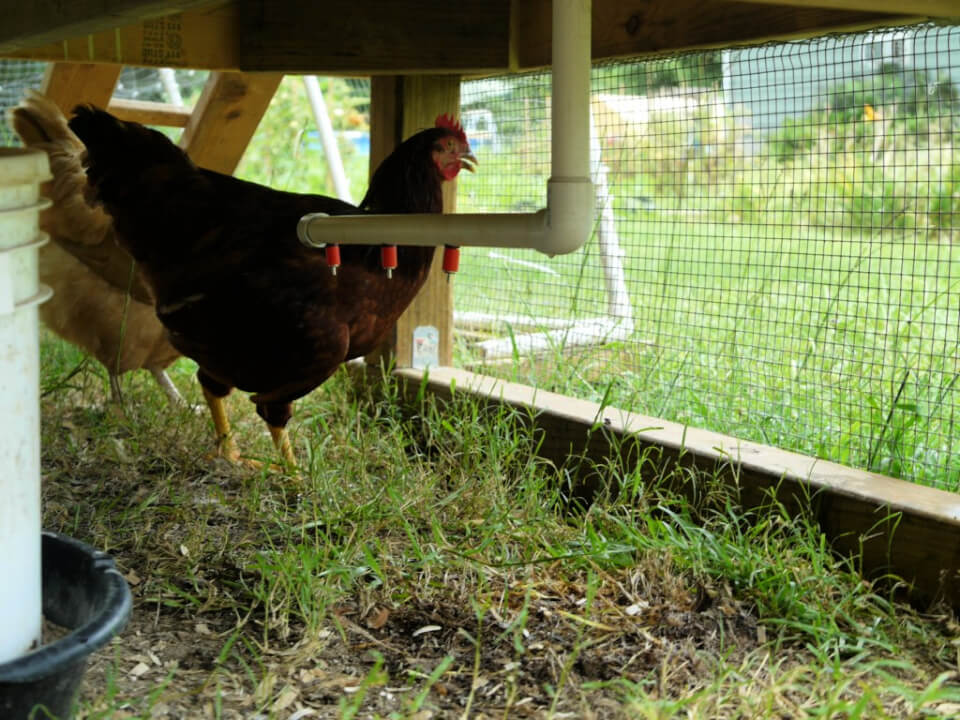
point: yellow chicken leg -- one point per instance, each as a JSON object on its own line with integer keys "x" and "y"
{"x": 226, "y": 448}
{"x": 282, "y": 442}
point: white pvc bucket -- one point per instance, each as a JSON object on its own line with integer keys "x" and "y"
{"x": 21, "y": 172}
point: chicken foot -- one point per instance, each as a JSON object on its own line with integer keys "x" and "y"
{"x": 281, "y": 439}
{"x": 163, "y": 380}
{"x": 226, "y": 447}
{"x": 166, "y": 384}
{"x": 276, "y": 415}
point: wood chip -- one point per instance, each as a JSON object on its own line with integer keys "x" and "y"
{"x": 139, "y": 669}
{"x": 636, "y": 608}
{"x": 311, "y": 675}
{"x": 427, "y": 629}
{"x": 286, "y": 698}
{"x": 378, "y": 619}
{"x": 302, "y": 713}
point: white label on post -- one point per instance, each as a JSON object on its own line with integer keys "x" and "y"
{"x": 426, "y": 347}
{"x": 6, "y": 283}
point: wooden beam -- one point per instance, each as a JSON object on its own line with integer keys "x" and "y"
{"x": 70, "y": 84}
{"x": 425, "y": 97}
{"x": 374, "y": 36}
{"x": 150, "y": 113}
{"x": 400, "y": 107}
{"x": 931, "y": 8}
{"x": 648, "y": 27}
{"x": 29, "y": 24}
{"x": 466, "y": 37}
{"x": 386, "y": 132}
{"x": 909, "y": 530}
{"x": 226, "y": 116}
{"x": 204, "y": 38}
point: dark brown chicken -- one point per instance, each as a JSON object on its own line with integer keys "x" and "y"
{"x": 235, "y": 288}
{"x": 100, "y": 302}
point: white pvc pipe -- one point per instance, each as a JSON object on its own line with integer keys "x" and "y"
{"x": 327, "y": 137}
{"x": 570, "y": 113}
{"x": 562, "y": 227}
{"x": 169, "y": 80}
{"x": 21, "y": 172}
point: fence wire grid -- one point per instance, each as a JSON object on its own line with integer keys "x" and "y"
{"x": 177, "y": 87}
{"x": 775, "y": 250}
{"x": 774, "y": 253}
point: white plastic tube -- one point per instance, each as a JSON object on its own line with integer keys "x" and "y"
{"x": 562, "y": 227}
{"x": 21, "y": 172}
{"x": 327, "y": 137}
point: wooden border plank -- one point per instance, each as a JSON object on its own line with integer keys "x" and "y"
{"x": 150, "y": 113}
{"x": 226, "y": 116}
{"x": 909, "y": 530}
{"x": 70, "y": 84}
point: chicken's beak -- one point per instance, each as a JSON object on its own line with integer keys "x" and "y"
{"x": 468, "y": 160}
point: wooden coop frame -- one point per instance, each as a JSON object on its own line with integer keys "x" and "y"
{"x": 417, "y": 53}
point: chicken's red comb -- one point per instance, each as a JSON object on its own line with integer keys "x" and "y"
{"x": 447, "y": 121}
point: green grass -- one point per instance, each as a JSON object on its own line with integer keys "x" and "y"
{"x": 427, "y": 563}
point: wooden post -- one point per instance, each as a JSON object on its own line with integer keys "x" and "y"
{"x": 400, "y": 107}
{"x": 226, "y": 116}
{"x": 69, "y": 84}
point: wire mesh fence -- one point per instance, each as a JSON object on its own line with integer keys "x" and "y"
{"x": 16, "y": 76}
{"x": 166, "y": 85}
{"x": 774, "y": 249}
{"x": 774, "y": 255}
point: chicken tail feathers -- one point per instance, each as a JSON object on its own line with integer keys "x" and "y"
{"x": 118, "y": 144}
{"x": 119, "y": 154}
{"x": 71, "y": 221}
{"x": 37, "y": 119}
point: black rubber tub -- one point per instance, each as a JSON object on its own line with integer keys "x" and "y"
{"x": 84, "y": 592}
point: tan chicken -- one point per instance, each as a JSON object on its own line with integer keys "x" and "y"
{"x": 100, "y": 302}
